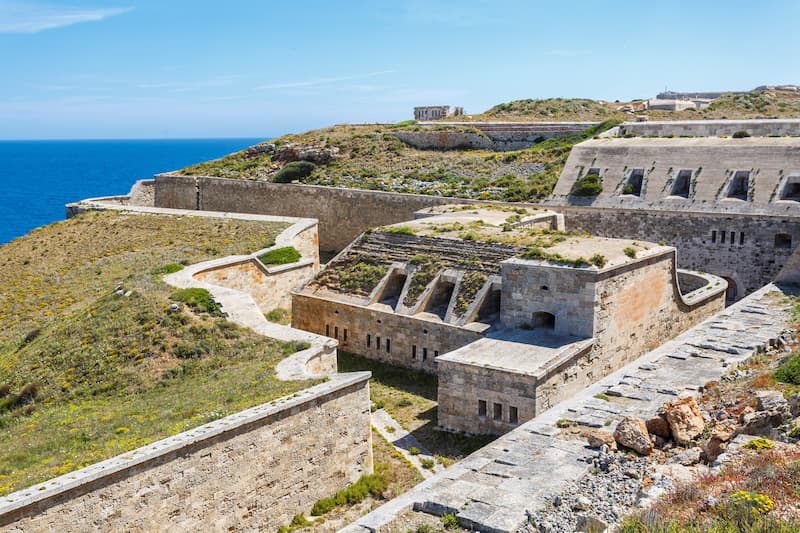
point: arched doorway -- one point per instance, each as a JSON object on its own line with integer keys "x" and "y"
{"x": 542, "y": 320}
{"x": 732, "y": 291}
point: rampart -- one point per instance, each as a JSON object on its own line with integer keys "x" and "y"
{"x": 711, "y": 128}
{"x": 256, "y": 468}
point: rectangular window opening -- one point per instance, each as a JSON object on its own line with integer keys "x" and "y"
{"x": 424, "y": 354}
{"x": 733, "y": 237}
{"x": 722, "y": 237}
{"x": 345, "y": 334}
{"x": 481, "y": 407}
{"x": 414, "y": 352}
{"x": 388, "y": 345}
{"x": 336, "y": 332}
{"x": 436, "y": 353}
{"x": 714, "y": 236}
{"x": 513, "y": 415}
{"x": 327, "y": 330}
{"x": 683, "y": 184}
{"x": 378, "y": 343}
{"x": 498, "y": 411}
{"x": 369, "y": 340}
{"x": 740, "y": 184}
{"x": 741, "y": 238}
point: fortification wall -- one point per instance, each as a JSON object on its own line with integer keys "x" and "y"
{"x": 342, "y": 213}
{"x": 712, "y": 128}
{"x": 412, "y": 343}
{"x": 252, "y": 470}
{"x": 751, "y": 259}
{"x": 497, "y": 136}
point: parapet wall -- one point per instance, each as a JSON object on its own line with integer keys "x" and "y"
{"x": 711, "y": 128}
{"x": 342, "y": 213}
{"x": 497, "y": 136}
{"x": 251, "y": 470}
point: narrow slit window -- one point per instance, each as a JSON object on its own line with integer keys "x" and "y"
{"x": 436, "y": 353}
{"x": 369, "y": 340}
{"x": 733, "y": 237}
{"x": 498, "y": 411}
{"x": 424, "y": 354}
{"x": 388, "y": 345}
{"x": 378, "y": 343}
{"x": 513, "y": 414}
{"x": 414, "y": 352}
{"x": 345, "y": 334}
{"x": 741, "y": 238}
{"x": 327, "y": 330}
{"x": 336, "y": 331}
{"x": 714, "y": 236}
{"x": 481, "y": 407}
{"x": 722, "y": 237}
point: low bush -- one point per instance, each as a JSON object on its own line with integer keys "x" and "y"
{"x": 740, "y": 134}
{"x": 169, "y": 268}
{"x": 278, "y": 316}
{"x": 789, "y": 371}
{"x": 280, "y": 256}
{"x": 598, "y": 260}
{"x": 368, "y": 485}
{"x": 427, "y": 464}
{"x": 296, "y": 170}
{"x": 414, "y": 450}
{"x": 630, "y": 252}
{"x": 588, "y": 185}
{"x": 199, "y": 300}
{"x": 449, "y": 521}
{"x": 760, "y": 443}
{"x": 399, "y": 230}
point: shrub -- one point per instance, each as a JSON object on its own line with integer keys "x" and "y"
{"x": 795, "y": 432}
{"x": 169, "y": 268}
{"x": 199, "y": 300}
{"x": 601, "y": 396}
{"x": 405, "y": 402}
{"x": 740, "y": 134}
{"x": 414, "y": 450}
{"x": 588, "y": 185}
{"x": 291, "y": 347}
{"x": 278, "y": 315}
{"x": 424, "y": 528}
{"x": 753, "y": 502}
{"x": 449, "y": 521}
{"x": 789, "y": 371}
{"x": 296, "y": 170}
{"x": 760, "y": 443}
{"x": 280, "y": 256}
{"x": 628, "y": 189}
{"x": 427, "y": 464}
{"x": 399, "y": 230}
{"x": 598, "y": 260}
{"x": 369, "y": 485}
{"x": 630, "y": 252}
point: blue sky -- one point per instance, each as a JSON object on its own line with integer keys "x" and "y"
{"x": 151, "y": 69}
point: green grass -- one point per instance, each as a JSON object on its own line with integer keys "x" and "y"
{"x": 198, "y": 300}
{"x": 789, "y": 371}
{"x": 357, "y": 275}
{"x": 280, "y": 256}
{"x": 390, "y": 385}
{"x": 279, "y": 316}
{"x": 115, "y": 372}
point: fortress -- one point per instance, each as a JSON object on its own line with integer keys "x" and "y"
{"x": 523, "y": 311}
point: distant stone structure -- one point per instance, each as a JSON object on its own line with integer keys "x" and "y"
{"x": 707, "y": 95}
{"x": 436, "y": 112}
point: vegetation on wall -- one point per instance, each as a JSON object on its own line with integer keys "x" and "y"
{"x": 280, "y": 256}
{"x": 587, "y": 185}
{"x": 296, "y": 170}
{"x": 471, "y": 284}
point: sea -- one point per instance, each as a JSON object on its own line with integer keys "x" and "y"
{"x": 37, "y": 178}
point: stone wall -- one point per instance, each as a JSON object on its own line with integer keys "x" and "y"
{"x": 351, "y": 324}
{"x": 143, "y": 193}
{"x": 342, "y": 213}
{"x": 712, "y": 128}
{"x": 750, "y": 260}
{"x": 252, "y": 471}
{"x": 755, "y": 175}
{"x": 497, "y": 136}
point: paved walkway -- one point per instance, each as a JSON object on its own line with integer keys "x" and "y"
{"x": 391, "y": 430}
{"x": 492, "y": 489}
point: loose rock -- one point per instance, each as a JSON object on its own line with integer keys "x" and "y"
{"x": 598, "y": 438}
{"x": 632, "y": 433}
{"x": 685, "y": 420}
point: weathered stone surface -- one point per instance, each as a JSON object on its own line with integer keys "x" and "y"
{"x": 632, "y": 433}
{"x": 772, "y": 401}
{"x": 597, "y": 438}
{"x": 590, "y": 524}
{"x": 659, "y": 426}
{"x": 297, "y": 152}
{"x": 685, "y": 420}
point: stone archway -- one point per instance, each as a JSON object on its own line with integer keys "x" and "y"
{"x": 543, "y": 320}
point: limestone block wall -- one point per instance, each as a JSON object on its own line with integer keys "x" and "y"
{"x": 143, "y": 193}
{"x": 271, "y": 288}
{"x": 342, "y": 213}
{"x": 707, "y": 165}
{"x": 251, "y": 471}
{"x": 740, "y": 248}
{"x": 412, "y": 343}
{"x": 712, "y": 128}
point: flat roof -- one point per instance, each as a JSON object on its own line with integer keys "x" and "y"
{"x": 516, "y": 350}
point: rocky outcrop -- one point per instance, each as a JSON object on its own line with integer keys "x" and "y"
{"x": 685, "y": 420}
{"x": 632, "y": 433}
{"x": 289, "y": 152}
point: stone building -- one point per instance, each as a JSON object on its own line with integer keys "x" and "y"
{"x": 512, "y": 312}
{"x": 436, "y": 112}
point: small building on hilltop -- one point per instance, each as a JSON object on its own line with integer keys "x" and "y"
{"x": 512, "y": 312}
{"x": 437, "y": 112}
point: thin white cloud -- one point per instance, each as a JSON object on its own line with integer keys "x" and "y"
{"x": 33, "y": 17}
{"x": 320, "y": 81}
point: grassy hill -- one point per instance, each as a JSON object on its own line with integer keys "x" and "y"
{"x": 93, "y": 364}
{"x": 370, "y": 157}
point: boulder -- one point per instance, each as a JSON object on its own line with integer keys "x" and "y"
{"x": 297, "y": 152}
{"x": 761, "y": 422}
{"x": 659, "y": 426}
{"x": 771, "y": 401}
{"x": 685, "y": 420}
{"x": 714, "y": 448}
{"x": 632, "y": 433}
{"x": 794, "y": 404}
{"x": 597, "y": 438}
{"x": 590, "y": 524}
{"x": 582, "y": 503}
